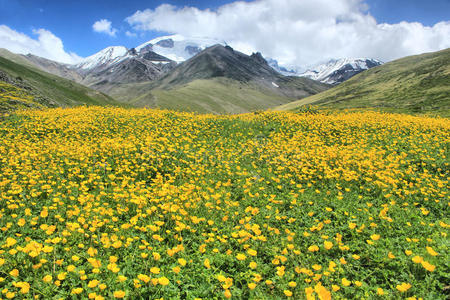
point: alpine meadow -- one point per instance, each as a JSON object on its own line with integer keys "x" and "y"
{"x": 257, "y": 149}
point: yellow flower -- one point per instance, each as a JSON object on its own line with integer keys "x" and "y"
{"x": 77, "y": 291}
{"x": 429, "y": 267}
{"x": 21, "y": 222}
{"x": 346, "y": 282}
{"x": 117, "y": 244}
{"x": 47, "y": 278}
{"x": 241, "y": 256}
{"x": 176, "y": 269}
{"x": 119, "y": 294}
{"x": 403, "y": 287}
{"x": 252, "y": 265}
{"x": 313, "y": 248}
{"x": 288, "y": 293}
{"x": 227, "y": 294}
{"x": 71, "y": 268}
{"x": 144, "y": 278}
{"x": 14, "y": 273}
{"x": 328, "y": 245}
{"x": 417, "y": 259}
{"x": 252, "y": 252}
{"x": 93, "y": 283}
{"x": 62, "y": 276}
{"x": 182, "y": 261}
{"x": 380, "y": 291}
{"x": 155, "y": 270}
{"x": 206, "y": 263}
{"x": 10, "y": 242}
{"x": 252, "y": 285}
{"x": 292, "y": 284}
{"x": 431, "y": 251}
{"x": 163, "y": 281}
{"x": 375, "y": 237}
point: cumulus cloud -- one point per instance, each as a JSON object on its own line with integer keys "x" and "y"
{"x": 46, "y": 45}
{"x": 104, "y": 26}
{"x": 298, "y": 32}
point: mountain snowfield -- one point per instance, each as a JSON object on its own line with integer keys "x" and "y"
{"x": 339, "y": 70}
{"x": 109, "y": 55}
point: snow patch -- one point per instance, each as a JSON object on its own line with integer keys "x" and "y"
{"x": 108, "y": 55}
{"x": 275, "y": 85}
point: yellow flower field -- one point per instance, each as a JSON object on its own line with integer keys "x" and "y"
{"x": 108, "y": 202}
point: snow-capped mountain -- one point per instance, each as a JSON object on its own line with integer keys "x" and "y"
{"x": 339, "y": 70}
{"x": 119, "y": 65}
{"x": 163, "y": 49}
{"x": 177, "y": 47}
{"x": 333, "y": 72}
{"x": 286, "y": 71}
{"x": 109, "y": 55}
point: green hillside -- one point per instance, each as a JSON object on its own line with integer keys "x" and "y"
{"x": 219, "y": 95}
{"x": 46, "y": 89}
{"x": 414, "y": 84}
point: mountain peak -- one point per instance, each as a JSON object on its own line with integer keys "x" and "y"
{"x": 107, "y": 55}
{"x": 177, "y": 47}
{"x": 339, "y": 70}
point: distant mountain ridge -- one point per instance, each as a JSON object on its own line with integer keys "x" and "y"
{"x": 413, "y": 84}
{"x": 339, "y": 70}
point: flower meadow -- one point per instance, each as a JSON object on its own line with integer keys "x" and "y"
{"x": 134, "y": 203}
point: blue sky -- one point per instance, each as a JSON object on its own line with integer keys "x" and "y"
{"x": 72, "y": 21}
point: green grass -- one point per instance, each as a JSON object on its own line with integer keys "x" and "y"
{"x": 218, "y": 95}
{"x": 415, "y": 84}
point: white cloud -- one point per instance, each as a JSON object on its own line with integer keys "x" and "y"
{"x": 46, "y": 45}
{"x": 104, "y": 26}
{"x": 298, "y": 32}
{"x": 130, "y": 34}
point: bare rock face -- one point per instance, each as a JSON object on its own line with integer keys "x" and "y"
{"x": 192, "y": 50}
{"x": 168, "y": 43}
{"x": 148, "y": 47}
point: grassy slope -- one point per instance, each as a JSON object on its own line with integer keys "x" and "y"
{"x": 218, "y": 95}
{"x": 60, "y": 91}
{"x": 412, "y": 84}
{"x": 17, "y": 58}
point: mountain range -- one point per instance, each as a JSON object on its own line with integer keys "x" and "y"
{"x": 150, "y": 60}
{"x": 413, "y": 84}
{"x": 193, "y": 74}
